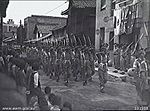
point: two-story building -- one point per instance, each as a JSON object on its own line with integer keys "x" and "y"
{"x": 9, "y": 29}
{"x": 81, "y": 19}
{"x": 37, "y": 26}
{"x": 132, "y": 22}
{"x": 104, "y": 32}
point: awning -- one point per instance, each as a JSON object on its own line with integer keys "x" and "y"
{"x": 44, "y": 37}
{"x": 9, "y": 39}
{"x": 41, "y": 38}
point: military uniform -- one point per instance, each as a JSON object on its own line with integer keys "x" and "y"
{"x": 58, "y": 65}
{"x": 87, "y": 68}
{"x": 76, "y": 65}
{"x": 102, "y": 72}
{"x": 53, "y": 58}
{"x": 67, "y": 66}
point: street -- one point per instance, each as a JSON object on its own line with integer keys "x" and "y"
{"x": 84, "y": 54}
{"x": 118, "y": 95}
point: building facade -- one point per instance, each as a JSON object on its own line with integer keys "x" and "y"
{"x": 81, "y": 19}
{"x": 37, "y": 26}
{"x": 104, "y": 23}
{"x": 123, "y": 22}
{"x": 9, "y": 29}
{"x": 132, "y": 24}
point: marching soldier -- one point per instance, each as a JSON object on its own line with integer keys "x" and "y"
{"x": 82, "y": 58}
{"x": 67, "y": 65}
{"x": 53, "y": 58}
{"x": 102, "y": 72}
{"x": 58, "y": 64}
{"x": 87, "y": 68}
{"x": 76, "y": 64}
{"x": 92, "y": 54}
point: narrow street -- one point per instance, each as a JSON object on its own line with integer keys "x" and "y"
{"x": 118, "y": 95}
{"x": 93, "y": 54}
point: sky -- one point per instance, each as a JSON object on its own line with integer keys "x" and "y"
{"x": 19, "y": 9}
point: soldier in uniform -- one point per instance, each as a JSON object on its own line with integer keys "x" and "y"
{"x": 58, "y": 64}
{"x": 82, "y": 59}
{"x": 53, "y": 58}
{"x": 76, "y": 64}
{"x": 92, "y": 54}
{"x": 145, "y": 77}
{"x": 102, "y": 72}
{"x": 67, "y": 65}
{"x": 87, "y": 67}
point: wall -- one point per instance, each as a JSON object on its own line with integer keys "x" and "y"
{"x": 30, "y": 23}
{"x": 145, "y": 10}
{"x": 103, "y": 19}
{"x": 82, "y": 21}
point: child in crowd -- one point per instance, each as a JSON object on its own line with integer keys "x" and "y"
{"x": 55, "y": 101}
{"x": 66, "y": 107}
{"x": 47, "y": 91}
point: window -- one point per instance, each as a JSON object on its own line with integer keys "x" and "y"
{"x": 113, "y": 3}
{"x": 10, "y": 28}
{"x": 103, "y": 5}
{"x": 102, "y": 34}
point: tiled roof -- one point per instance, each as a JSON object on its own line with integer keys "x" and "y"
{"x": 59, "y": 27}
{"x": 81, "y": 4}
{"x": 45, "y": 28}
{"x": 48, "y": 27}
{"x": 8, "y": 34}
{"x": 84, "y": 3}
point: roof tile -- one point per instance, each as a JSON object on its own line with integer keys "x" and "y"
{"x": 84, "y": 3}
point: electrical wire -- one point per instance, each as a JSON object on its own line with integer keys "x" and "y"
{"x": 56, "y": 8}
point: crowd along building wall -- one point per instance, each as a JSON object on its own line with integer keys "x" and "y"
{"x": 134, "y": 26}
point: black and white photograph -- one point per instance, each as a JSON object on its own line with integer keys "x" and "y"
{"x": 72, "y": 55}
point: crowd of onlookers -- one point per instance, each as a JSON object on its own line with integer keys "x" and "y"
{"x": 136, "y": 62}
{"x": 23, "y": 66}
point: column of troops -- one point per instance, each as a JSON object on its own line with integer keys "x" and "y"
{"x": 61, "y": 61}
{"x": 76, "y": 63}
{"x": 66, "y": 62}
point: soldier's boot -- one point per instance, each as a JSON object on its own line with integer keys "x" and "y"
{"x": 85, "y": 83}
{"x": 102, "y": 89}
{"x": 51, "y": 75}
{"x": 57, "y": 80}
{"x": 67, "y": 83}
{"x": 76, "y": 79}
